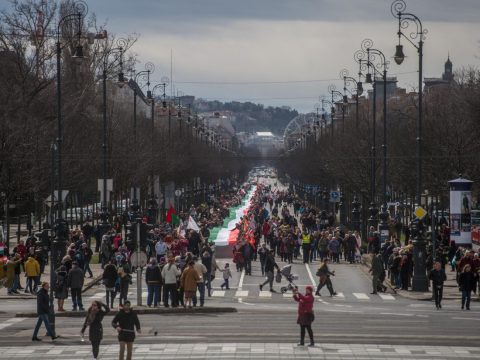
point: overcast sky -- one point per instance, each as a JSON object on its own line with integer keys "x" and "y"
{"x": 225, "y": 49}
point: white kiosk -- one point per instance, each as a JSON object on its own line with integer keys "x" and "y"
{"x": 460, "y": 208}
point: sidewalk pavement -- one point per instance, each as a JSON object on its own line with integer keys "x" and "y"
{"x": 186, "y": 350}
{"x": 97, "y": 272}
{"x": 450, "y": 289}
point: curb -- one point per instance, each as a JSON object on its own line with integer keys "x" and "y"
{"x": 92, "y": 283}
{"x": 145, "y": 310}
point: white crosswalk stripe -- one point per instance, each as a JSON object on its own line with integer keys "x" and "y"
{"x": 386, "y": 297}
{"x": 241, "y": 293}
{"x": 340, "y": 296}
{"x": 10, "y": 322}
{"x": 218, "y": 293}
{"x": 361, "y": 296}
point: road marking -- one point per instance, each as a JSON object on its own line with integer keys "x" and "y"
{"x": 339, "y": 295}
{"x": 10, "y": 322}
{"x": 361, "y": 296}
{"x": 240, "y": 283}
{"x": 265, "y": 294}
{"x": 386, "y": 297}
{"x": 241, "y": 293}
{"x": 310, "y": 275}
{"x": 396, "y": 314}
{"x": 98, "y": 296}
{"x": 287, "y": 295}
{"x": 245, "y": 303}
{"x": 463, "y": 318}
{"x": 218, "y": 293}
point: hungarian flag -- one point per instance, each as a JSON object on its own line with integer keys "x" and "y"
{"x": 172, "y": 216}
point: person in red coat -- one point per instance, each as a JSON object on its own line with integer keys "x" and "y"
{"x": 305, "y": 313}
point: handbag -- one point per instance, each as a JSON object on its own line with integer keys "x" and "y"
{"x": 278, "y": 277}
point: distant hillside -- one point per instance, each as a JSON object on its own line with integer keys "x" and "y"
{"x": 252, "y": 117}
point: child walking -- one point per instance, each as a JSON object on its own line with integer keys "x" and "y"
{"x": 226, "y": 275}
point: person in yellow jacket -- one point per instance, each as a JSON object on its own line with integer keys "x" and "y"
{"x": 306, "y": 246}
{"x": 32, "y": 272}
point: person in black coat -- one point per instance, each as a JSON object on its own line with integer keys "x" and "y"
{"x": 125, "y": 322}
{"x": 438, "y": 277}
{"x": 43, "y": 307}
{"x": 466, "y": 283}
{"x": 110, "y": 276}
{"x": 95, "y": 314}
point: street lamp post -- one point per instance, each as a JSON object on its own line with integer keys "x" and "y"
{"x": 121, "y": 46}
{"x": 333, "y": 92}
{"x": 153, "y": 205}
{"x": 419, "y": 281}
{"x": 61, "y": 226}
{"x": 358, "y": 87}
{"x": 145, "y": 74}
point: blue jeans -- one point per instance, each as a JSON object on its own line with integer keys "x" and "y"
{"x": 201, "y": 290}
{"x": 42, "y": 318}
{"x": 153, "y": 294}
{"x": 225, "y": 283}
{"x": 86, "y": 268}
{"x": 208, "y": 282}
{"x": 466, "y": 295}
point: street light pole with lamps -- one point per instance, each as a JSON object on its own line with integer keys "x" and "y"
{"x": 359, "y": 90}
{"x": 121, "y": 44}
{"x": 153, "y": 205}
{"x": 61, "y": 226}
{"x": 419, "y": 281}
{"x": 332, "y": 90}
{"x": 145, "y": 74}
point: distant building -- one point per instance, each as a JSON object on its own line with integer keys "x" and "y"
{"x": 445, "y": 80}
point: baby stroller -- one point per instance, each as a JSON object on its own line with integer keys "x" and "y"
{"x": 286, "y": 272}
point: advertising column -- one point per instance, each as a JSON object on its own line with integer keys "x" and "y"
{"x": 460, "y": 211}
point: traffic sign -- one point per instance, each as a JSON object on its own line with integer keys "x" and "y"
{"x": 420, "y": 212}
{"x": 334, "y": 196}
{"x": 139, "y": 259}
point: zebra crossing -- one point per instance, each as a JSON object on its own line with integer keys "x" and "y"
{"x": 218, "y": 294}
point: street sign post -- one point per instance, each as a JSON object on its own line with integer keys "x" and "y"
{"x": 334, "y": 196}
{"x": 420, "y": 212}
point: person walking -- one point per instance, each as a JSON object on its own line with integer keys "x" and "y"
{"x": 153, "y": 278}
{"x": 226, "y": 274}
{"x": 32, "y": 271}
{"x": 126, "y": 322}
{"x": 93, "y": 321}
{"x": 75, "y": 280}
{"x": 306, "y": 245}
{"x": 466, "y": 283}
{"x": 376, "y": 269}
{"x": 324, "y": 274}
{"x": 270, "y": 266}
{"x": 42, "y": 312}
{"x": 202, "y": 271}
{"x": 61, "y": 288}
{"x": 262, "y": 253}
{"x": 438, "y": 277}
{"x": 110, "y": 276}
{"x": 188, "y": 282}
{"x": 305, "y": 313}
{"x": 124, "y": 280}
{"x": 170, "y": 273}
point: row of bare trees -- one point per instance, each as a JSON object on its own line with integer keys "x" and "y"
{"x": 28, "y": 121}
{"x": 451, "y": 144}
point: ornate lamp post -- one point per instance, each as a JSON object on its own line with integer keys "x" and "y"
{"x": 333, "y": 92}
{"x": 61, "y": 226}
{"x": 358, "y": 86}
{"x": 152, "y": 203}
{"x": 144, "y": 74}
{"x": 121, "y": 43}
{"x": 420, "y": 281}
